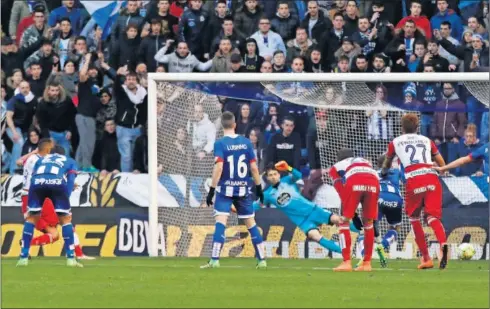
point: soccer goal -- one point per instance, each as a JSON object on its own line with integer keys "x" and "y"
{"x": 331, "y": 111}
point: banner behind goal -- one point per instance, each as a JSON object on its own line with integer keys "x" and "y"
{"x": 332, "y": 111}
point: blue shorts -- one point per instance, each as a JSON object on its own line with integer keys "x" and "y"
{"x": 54, "y": 189}
{"x": 390, "y": 206}
{"x": 243, "y": 204}
{"x": 316, "y": 218}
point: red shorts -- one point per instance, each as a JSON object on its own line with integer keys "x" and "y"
{"x": 362, "y": 189}
{"x": 48, "y": 215}
{"x": 424, "y": 192}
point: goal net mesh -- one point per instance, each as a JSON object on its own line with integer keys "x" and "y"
{"x": 329, "y": 116}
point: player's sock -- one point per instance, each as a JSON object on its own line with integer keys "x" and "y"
{"x": 329, "y": 245}
{"x": 42, "y": 240}
{"x": 76, "y": 242}
{"x": 345, "y": 241}
{"x": 26, "y": 239}
{"x": 368, "y": 241}
{"x": 438, "y": 229}
{"x": 218, "y": 240}
{"x": 418, "y": 230}
{"x": 258, "y": 242}
{"x": 389, "y": 238}
{"x": 67, "y": 231}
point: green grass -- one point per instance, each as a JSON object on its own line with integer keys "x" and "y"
{"x": 156, "y": 283}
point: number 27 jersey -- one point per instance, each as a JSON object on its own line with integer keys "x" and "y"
{"x": 415, "y": 153}
{"x": 236, "y": 152}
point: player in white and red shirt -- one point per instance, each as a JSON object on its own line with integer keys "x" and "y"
{"x": 356, "y": 182}
{"x": 49, "y": 220}
{"x": 423, "y": 189}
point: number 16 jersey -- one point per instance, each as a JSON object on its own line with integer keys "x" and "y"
{"x": 236, "y": 152}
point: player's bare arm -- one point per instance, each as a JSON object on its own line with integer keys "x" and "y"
{"x": 456, "y": 163}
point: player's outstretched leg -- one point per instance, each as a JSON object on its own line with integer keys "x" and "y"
{"x": 345, "y": 244}
{"x": 328, "y": 244}
{"x": 418, "y": 230}
{"x": 218, "y": 242}
{"x": 440, "y": 233}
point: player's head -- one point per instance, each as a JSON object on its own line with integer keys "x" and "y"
{"x": 410, "y": 123}
{"x": 272, "y": 174}
{"x": 57, "y": 149}
{"x": 381, "y": 160}
{"x": 228, "y": 121}
{"x": 344, "y": 153}
{"x": 45, "y": 145}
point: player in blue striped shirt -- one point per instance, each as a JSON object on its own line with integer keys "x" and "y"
{"x": 53, "y": 177}
{"x": 235, "y": 167}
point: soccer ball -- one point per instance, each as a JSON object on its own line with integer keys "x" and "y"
{"x": 466, "y": 251}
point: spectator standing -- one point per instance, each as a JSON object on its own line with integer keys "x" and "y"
{"x": 11, "y": 59}
{"x": 477, "y": 27}
{"x": 252, "y": 60}
{"x": 36, "y": 82}
{"x": 140, "y": 155}
{"x": 177, "y": 8}
{"x": 216, "y": 20}
{"x": 348, "y": 49}
{"x": 449, "y": 123}
{"x": 151, "y": 44}
{"x": 64, "y": 41}
{"x": 445, "y": 32}
{"x": 56, "y": 116}
{"x": 182, "y": 60}
{"x": 129, "y": 15}
{"x": 332, "y": 40}
{"x": 106, "y": 155}
{"x": 131, "y": 99}
{"x": 125, "y": 51}
{"x": 221, "y": 61}
{"x": 244, "y": 122}
{"x": 286, "y": 145}
{"x": 79, "y": 52}
{"x": 192, "y": 26}
{"x": 255, "y": 137}
{"x": 271, "y": 123}
{"x": 236, "y": 65}
{"x": 203, "y": 133}
{"x": 467, "y": 145}
{"x": 315, "y": 22}
{"x": 32, "y": 37}
{"x": 170, "y": 23}
{"x": 351, "y": 17}
{"x": 367, "y": 38}
{"x": 77, "y": 16}
{"x": 20, "y": 112}
{"x": 23, "y": 9}
{"x": 379, "y": 126}
{"x": 247, "y": 18}
{"x": 279, "y": 62}
{"x": 441, "y": 64}
{"x": 68, "y": 78}
{"x": 417, "y": 58}
{"x": 301, "y": 45}
{"x": 228, "y": 31}
{"x": 314, "y": 62}
{"x": 284, "y": 23}
{"x": 360, "y": 65}
{"x": 422, "y": 23}
{"x": 33, "y": 137}
{"x": 13, "y": 82}
{"x": 45, "y": 57}
{"x": 446, "y": 14}
{"x": 268, "y": 41}
{"x": 403, "y": 45}
{"x": 179, "y": 153}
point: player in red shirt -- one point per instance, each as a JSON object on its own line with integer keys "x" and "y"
{"x": 356, "y": 182}
{"x": 423, "y": 189}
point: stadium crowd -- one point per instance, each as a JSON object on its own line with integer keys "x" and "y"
{"x": 62, "y": 78}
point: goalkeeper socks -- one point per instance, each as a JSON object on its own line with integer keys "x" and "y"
{"x": 438, "y": 229}
{"x": 26, "y": 239}
{"x": 218, "y": 240}
{"x": 329, "y": 245}
{"x": 354, "y": 228}
{"x": 43, "y": 240}
{"x": 368, "y": 241}
{"x": 67, "y": 231}
{"x": 345, "y": 241}
{"x": 389, "y": 238}
{"x": 418, "y": 230}
{"x": 258, "y": 242}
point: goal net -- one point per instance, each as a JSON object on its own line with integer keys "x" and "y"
{"x": 330, "y": 111}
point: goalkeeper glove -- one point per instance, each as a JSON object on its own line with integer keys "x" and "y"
{"x": 209, "y": 198}
{"x": 283, "y": 166}
{"x": 259, "y": 193}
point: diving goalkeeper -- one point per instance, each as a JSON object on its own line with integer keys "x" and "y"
{"x": 286, "y": 196}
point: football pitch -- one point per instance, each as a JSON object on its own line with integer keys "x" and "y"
{"x": 169, "y": 282}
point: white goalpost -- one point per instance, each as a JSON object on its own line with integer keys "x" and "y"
{"x": 344, "y": 112}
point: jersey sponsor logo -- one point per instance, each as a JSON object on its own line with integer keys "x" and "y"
{"x": 390, "y": 204}
{"x": 44, "y": 181}
{"x": 236, "y": 183}
{"x": 283, "y": 199}
{"x": 424, "y": 189}
{"x": 364, "y": 188}
{"x": 285, "y": 146}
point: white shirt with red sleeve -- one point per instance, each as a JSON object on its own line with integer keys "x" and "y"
{"x": 347, "y": 168}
